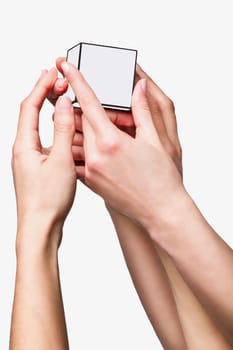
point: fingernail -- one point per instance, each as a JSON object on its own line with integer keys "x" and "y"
{"x": 63, "y": 104}
{"x": 144, "y": 84}
{"x": 65, "y": 67}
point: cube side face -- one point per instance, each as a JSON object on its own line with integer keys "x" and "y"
{"x": 110, "y": 72}
{"x": 73, "y": 56}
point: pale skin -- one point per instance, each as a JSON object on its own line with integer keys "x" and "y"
{"x": 38, "y": 320}
{"x": 145, "y": 266}
{"x": 132, "y": 237}
{"x": 163, "y": 208}
{"x": 168, "y": 135}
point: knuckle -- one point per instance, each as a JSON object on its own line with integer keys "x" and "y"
{"x": 145, "y": 108}
{"x": 62, "y": 127}
{"x": 94, "y": 164}
{"x": 171, "y": 150}
{"x": 169, "y": 105}
{"x": 24, "y": 103}
{"x": 109, "y": 144}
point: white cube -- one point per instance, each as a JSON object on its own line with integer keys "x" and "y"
{"x": 110, "y": 71}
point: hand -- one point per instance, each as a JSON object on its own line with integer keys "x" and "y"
{"x": 44, "y": 183}
{"x": 134, "y": 175}
{"x": 111, "y": 171}
{"x": 163, "y": 116}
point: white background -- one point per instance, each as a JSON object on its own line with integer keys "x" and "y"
{"x": 186, "y": 46}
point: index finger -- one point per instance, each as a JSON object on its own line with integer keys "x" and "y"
{"x": 59, "y": 62}
{"x": 87, "y": 99}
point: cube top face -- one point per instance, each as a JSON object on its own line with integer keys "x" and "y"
{"x": 110, "y": 72}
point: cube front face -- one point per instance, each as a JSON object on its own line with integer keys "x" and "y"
{"x": 109, "y": 71}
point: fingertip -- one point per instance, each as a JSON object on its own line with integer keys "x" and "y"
{"x": 68, "y": 69}
{"x": 49, "y": 76}
{"x": 138, "y": 68}
{"x": 64, "y": 105}
{"x": 65, "y": 67}
{"x": 59, "y": 61}
{"x": 60, "y": 58}
{"x": 140, "y": 72}
{"x": 61, "y": 85}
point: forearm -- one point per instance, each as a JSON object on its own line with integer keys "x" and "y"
{"x": 146, "y": 263}
{"x": 204, "y": 260}
{"x": 38, "y": 314}
{"x": 151, "y": 282}
{"x": 193, "y": 317}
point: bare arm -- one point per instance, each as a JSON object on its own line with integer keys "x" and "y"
{"x": 175, "y": 313}
{"x": 145, "y": 258}
{"x": 199, "y": 253}
{"x": 38, "y": 315}
{"x": 151, "y": 282}
{"x": 45, "y": 183}
{"x": 149, "y": 264}
{"x": 193, "y": 317}
{"x": 204, "y": 260}
{"x": 138, "y": 178}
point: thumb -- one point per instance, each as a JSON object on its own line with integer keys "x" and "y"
{"x": 141, "y": 112}
{"x": 64, "y": 127}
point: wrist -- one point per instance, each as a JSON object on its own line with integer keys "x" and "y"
{"x": 38, "y": 235}
{"x": 171, "y": 217}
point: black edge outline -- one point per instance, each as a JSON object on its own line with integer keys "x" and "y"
{"x": 128, "y": 108}
{"x": 79, "y": 59}
{"x": 79, "y": 64}
{"x": 135, "y": 63}
{"x": 114, "y": 107}
{"x": 112, "y": 47}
